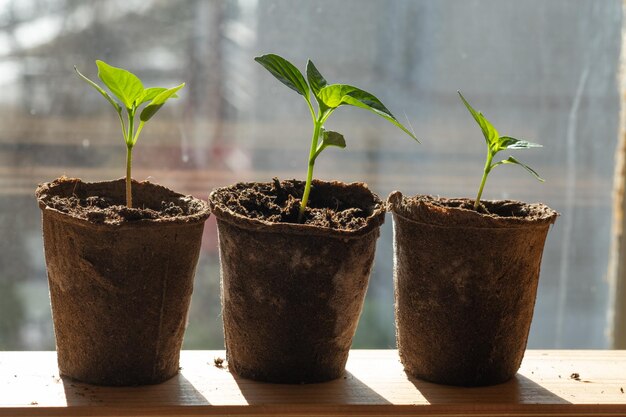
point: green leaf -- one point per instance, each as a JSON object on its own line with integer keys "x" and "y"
{"x": 331, "y": 138}
{"x": 124, "y": 84}
{"x": 507, "y": 142}
{"x": 511, "y": 160}
{"x": 316, "y": 80}
{"x": 157, "y": 102}
{"x": 490, "y": 132}
{"x": 285, "y": 72}
{"x": 332, "y": 95}
{"x": 335, "y": 95}
{"x": 106, "y": 95}
{"x": 148, "y": 94}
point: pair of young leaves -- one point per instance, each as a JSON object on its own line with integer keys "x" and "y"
{"x": 328, "y": 96}
{"x": 129, "y": 90}
{"x": 497, "y": 143}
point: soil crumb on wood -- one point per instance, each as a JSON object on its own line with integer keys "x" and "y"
{"x": 575, "y": 376}
{"x": 218, "y": 362}
{"x": 331, "y": 205}
{"x": 99, "y": 203}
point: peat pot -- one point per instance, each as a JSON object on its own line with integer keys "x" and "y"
{"x": 120, "y": 279}
{"x": 465, "y": 285}
{"x": 292, "y": 293}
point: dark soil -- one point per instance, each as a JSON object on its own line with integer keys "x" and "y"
{"x": 111, "y": 209}
{"x": 218, "y": 362}
{"x": 452, "y": 212}
{"x": 279, "y": 202}
{"x": 501, "y": 208}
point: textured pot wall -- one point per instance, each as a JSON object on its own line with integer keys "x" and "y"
{"x": 464, "y": 295}
{"x": 291, "y": 296}
{"x": 120, "y": 295}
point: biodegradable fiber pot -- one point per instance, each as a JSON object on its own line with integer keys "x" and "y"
{"x": 465, "y": 285}
{"x": 120, "y": 279}
{"x": 292, "y": 293}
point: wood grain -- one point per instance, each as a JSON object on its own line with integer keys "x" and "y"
{"x": 374, "y": 385}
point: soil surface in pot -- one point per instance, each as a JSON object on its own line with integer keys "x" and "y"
{"x": 88, "y": 204}
{"x": 279, "y": 202}
{"x": 451, "y": 212}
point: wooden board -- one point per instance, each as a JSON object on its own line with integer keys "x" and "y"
{"x": 374, "y": 385}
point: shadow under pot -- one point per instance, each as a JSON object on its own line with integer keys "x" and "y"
{"x": 465, "y": 285}
{"x": 292, "y": 293}
{"x": 120, "y": 279}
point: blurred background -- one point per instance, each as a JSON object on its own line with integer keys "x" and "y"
{"x": 545, "y": 71}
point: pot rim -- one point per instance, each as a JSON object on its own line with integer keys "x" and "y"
{"x": 373, "y": 221}
{"x": 461, "y": 218}
{"x": 192, "y": 219}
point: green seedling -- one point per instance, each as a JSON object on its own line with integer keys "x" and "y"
{"x": 329, "y": 97}
{"x": 129, "y": 90}
{"x": 495, "y": 144}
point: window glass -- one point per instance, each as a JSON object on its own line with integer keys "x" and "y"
{"x": 542, "y": 71}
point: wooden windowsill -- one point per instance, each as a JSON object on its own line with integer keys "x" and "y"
{"x": 374, "y": 384}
